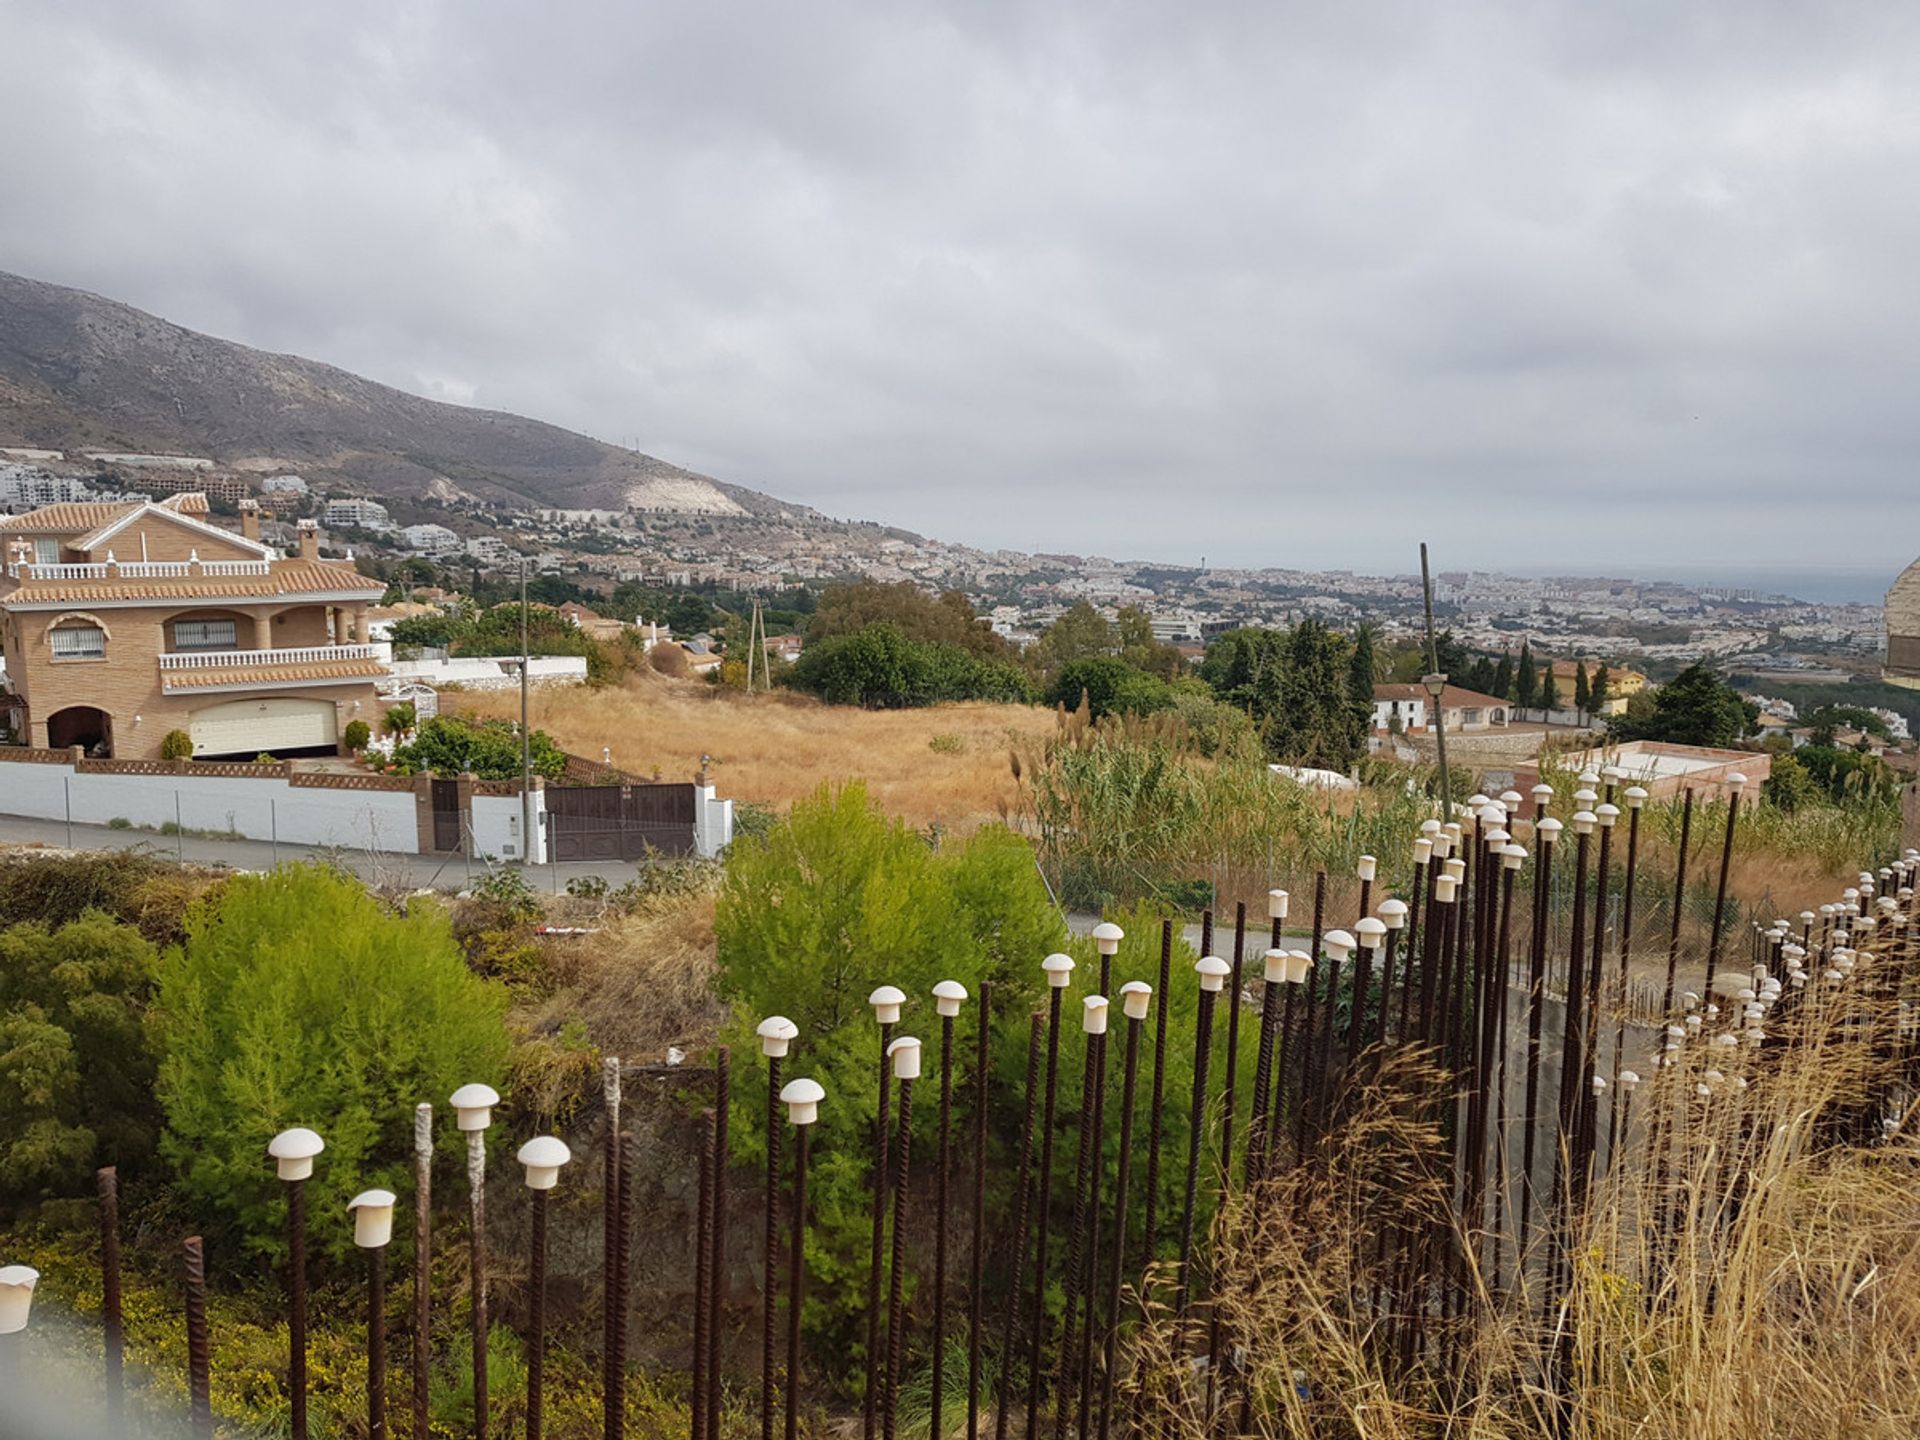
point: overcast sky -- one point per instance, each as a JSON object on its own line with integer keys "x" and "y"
{"x": 1298, "y": 284}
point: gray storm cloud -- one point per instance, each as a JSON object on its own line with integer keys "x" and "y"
{"x": 1589, "y": 284}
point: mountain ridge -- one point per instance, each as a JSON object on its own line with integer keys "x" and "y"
{"x": 80, "y": 372}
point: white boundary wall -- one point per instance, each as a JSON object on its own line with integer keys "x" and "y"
{"x": 260, "y": 808}
{"x": 496, "y": 827}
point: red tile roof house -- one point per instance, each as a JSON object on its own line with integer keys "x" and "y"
{"x": 125, "y": 621}
{"x": 1465, "y": 711}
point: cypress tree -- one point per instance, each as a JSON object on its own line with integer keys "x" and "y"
{"x": 1503, "y": 675}
{"x": 1597, "y": 688}
{"x": 1524, "y": 678}
{"x": 1582, "y": 697}
{"x": 1549, "y": 688}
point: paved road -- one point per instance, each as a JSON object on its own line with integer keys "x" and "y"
{"x": 441, "y": 872}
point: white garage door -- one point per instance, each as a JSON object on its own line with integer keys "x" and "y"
{"x": 253, "y": 727}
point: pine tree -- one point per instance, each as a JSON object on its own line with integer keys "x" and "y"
{"x": 1503, "y": 676}
{"x": 1523, "y": 684}
{"x": 1582, "y": 697}
{"x": 1549, "y": 688}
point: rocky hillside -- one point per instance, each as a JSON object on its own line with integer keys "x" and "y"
{"x": 78, "y": 372}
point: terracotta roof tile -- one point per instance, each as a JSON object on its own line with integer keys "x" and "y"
{"x": 173, "y": 681}
{"x": 72, "y": 515}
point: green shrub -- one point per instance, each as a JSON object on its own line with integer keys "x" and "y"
{"x": 880, "y": 668}
{"x": 1111, "y": 687}
{"x": 119, "y": 822}
{"x": 449, "y": 745}
{"x": 176, "y": 745}
{"x": 357, "y": 734}
{"x": 947, "y": 745}
{"x": 300, "y": 999}
{"x": 266, "y": 757}
{"x": 399, "y": 719}
{"x": 76, "y": 1071}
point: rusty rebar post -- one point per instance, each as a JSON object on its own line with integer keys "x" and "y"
{"x": 609, "y": 1246}
{"x": 1536, "y": 1003}
{"x": 1196, "y": 1132}
{"x": 477, "y": 1265}
{"x": 1679, "y": 904}
{"x": 1042, "y": 1206}
{"x": 423, "y": 1271}
{"x": 797, "y": 1276}
{"x": 1626, "y": 948}
{"x": 770, "y": 1253}
{"x": 717, "y": 1251}
{"x": 702, "y": 1276}
{"x": 1003, "y": 1406}
{"x": 622, "y": 1281}
{"x": 1124, "y": 1171}
{"x": 297, "y": 1307}
{"x": 111, "y": 1319}
{"x": 876, "y": 1252}
{"x": 1720, "y": 898}
{"x": 942, "y": 1178}
{"x": 537, "y": 1316}
{"x": 897, "y": 1268}
{"x": 1150, "y": 1247}
{"x": 199, "y": 1346}
{"x": 377, "y": 1348}
{"x": 976, "y": 1270}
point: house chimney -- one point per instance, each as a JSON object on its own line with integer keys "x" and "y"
{"x": 250, "y": 519}
{"x": 309, "y": 539}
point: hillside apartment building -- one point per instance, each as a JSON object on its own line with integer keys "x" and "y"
{"x": 124, "y": 621}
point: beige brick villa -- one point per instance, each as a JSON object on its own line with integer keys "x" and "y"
{"x": 124, "y": 621}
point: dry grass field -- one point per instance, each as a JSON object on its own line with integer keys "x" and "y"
{"x": 947, "y": 764}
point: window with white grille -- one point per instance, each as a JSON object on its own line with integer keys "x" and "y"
{"x": 46, "y": 552}
{"x": 203, "y": 635}
{"x": 79, "y": 642}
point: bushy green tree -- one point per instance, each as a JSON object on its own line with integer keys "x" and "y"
{"x": 1111, "y": 687}
{"x": 1082, "y": 633}
{"x": 880, "y": 668}
{"x": 1696, "y": 707}
{"x": 949, "y": 619}
{"x": 301, "y": 999}
{"x": 76, "y": 1069}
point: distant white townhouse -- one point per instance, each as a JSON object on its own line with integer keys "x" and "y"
{"x": 430, "y": 539}
{"x": 353, "y": 514}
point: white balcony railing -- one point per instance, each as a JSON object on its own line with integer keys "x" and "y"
{"x": 294, "y": 655}
{"x": 135, "y": 569}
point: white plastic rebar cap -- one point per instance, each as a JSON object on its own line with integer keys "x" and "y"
{"x": 1542, "y": 793}
{"x": 1676, "y": 1032}
{"x": 293, "y": 1151}
{"x": 1339, "y": 944}
{"x": 1273, "y": 966}
{"x": 1093, "y": 1014}
{"x": 905, "y": 1054}
{"x": 1457, "y": 870}
{"x": 1277, "y": 904}
{"x": 1807, "y": 917}
{"x": 1511, "y": 801}
{"x": 1107, "y": 937}
{"x": 1393, "y": 912}
{"x": 1422, "y": 850}
{"x": 1583, "y": 797}
{"x": 1606, "y": 815}
{"x": 543, "y": 1156}
{"x": 1513, "y": 856}
{"x": 1443, "y": 888}
{"x": 886, "y": 1002}
{"x": 948, "y": 997}
{"x": 1059, "y": 968}
{"x": 1599, "y": 1083}
{"x": 1548, "y": 829}
{"x": 1213, "y": 971}
{"x": 1135, "y": 997}
{"x": 1299, "y": 967}
{"x": 1736, "y": 782}
{"x": 473, "y": 1106}
{"x": 1476, "y": 801}
{"x": 776, "y": 1033}
{"x": 1429, "y": 827}
{"x": 1635, "y": 796}
{"x": 802, "y": 1098}
{"x": 372, "y": 1212}
{"x": 1583, "y": 822}
{"x": 1613, "y": 773}
{"x": 1726, "y": 1040}
{"x": 1366, "y": 867}
{"x": 1370, "y": 932}
{"x": 1589, "y": 776}
{"x": 16, "y": 1297}
{"x": 1629, "y": 1079}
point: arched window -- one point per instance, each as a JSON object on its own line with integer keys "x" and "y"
{"x": 77, "y": 636}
